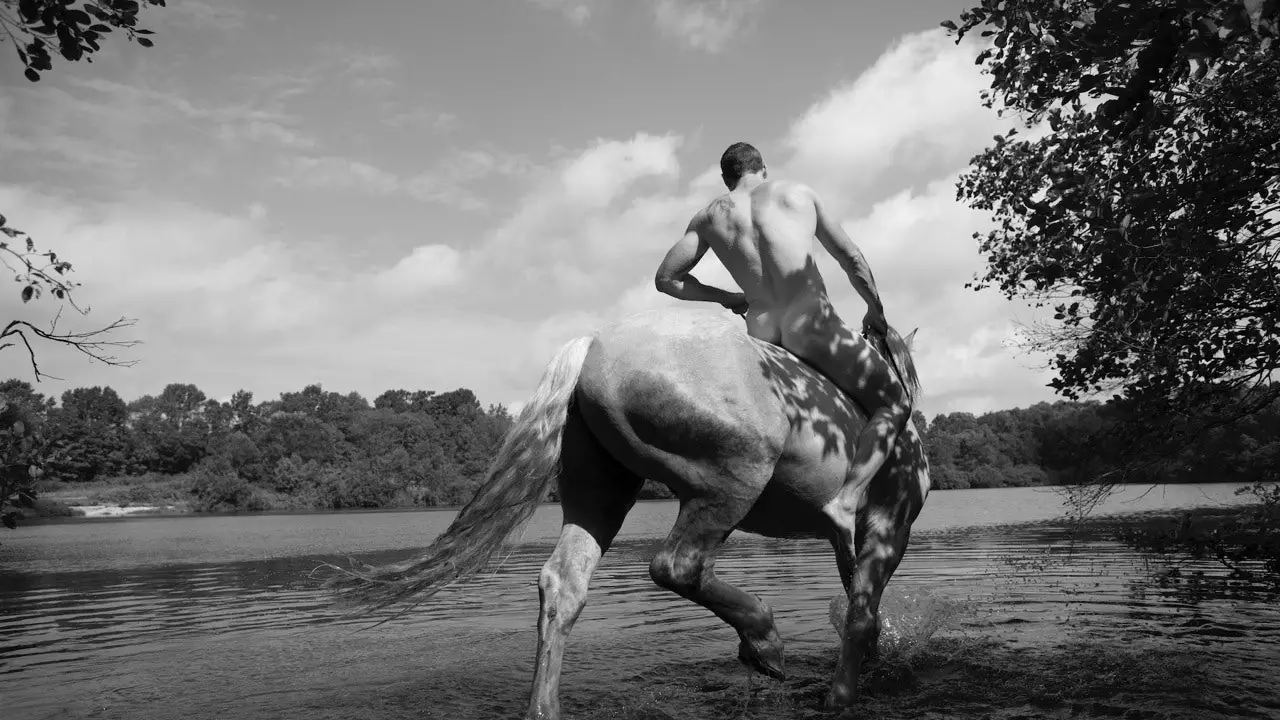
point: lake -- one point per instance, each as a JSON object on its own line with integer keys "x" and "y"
{"x": 216, "y": 616}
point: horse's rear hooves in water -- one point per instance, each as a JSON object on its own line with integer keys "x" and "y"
{"x": 764, "y": 657}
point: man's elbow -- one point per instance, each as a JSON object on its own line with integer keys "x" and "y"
{"x": 666, "y": 283}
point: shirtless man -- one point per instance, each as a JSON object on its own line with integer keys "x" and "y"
{"x": 763, "y": 230}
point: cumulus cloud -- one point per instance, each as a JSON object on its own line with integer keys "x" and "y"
{"x": 228, "y": 302}
{"x": 215, "y": 290}
{"x": 706, "y": 25}
{"x": 428, "y": 267}
{"x": 914, "y": 111}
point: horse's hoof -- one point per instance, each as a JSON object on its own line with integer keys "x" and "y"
{"x": 763, "y": 656}
{"x": 839, "y": 698}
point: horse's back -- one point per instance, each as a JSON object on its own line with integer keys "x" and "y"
{"x": 674, "y": 393}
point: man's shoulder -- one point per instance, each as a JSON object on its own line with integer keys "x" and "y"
{"x": 791, "y": 187}
{"x": 719, "y": 203}
{"x": 791, "y": 193}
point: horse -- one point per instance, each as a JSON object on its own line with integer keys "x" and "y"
{"x": 747, "y": 437}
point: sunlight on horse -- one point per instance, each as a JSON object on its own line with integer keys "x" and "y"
{"x": 747, "y": 436}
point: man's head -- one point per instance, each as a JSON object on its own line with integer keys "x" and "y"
{"x": 739, "y": 160}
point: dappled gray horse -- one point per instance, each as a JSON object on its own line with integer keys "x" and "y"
{"x": 746, "y": 436}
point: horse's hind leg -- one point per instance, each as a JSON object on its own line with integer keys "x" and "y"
{"x": 881, "y": 541}
{"x": 685, "y": 565}
{"x": 595, "y": 495}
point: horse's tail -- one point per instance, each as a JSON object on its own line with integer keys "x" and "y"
{"x": 517, "y": 481}
{"x": 897, "y": 350}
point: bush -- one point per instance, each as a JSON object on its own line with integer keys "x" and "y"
{"x": 217, "y": 487}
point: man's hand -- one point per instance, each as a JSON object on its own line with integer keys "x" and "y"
{"x": 874, "y": 321}
{"x": 738, "y": 304}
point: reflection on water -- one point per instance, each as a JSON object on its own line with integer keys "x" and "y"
{"x": 253, "y": 636}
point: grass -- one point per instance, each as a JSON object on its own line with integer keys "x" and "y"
{"x": 142, "y": 490}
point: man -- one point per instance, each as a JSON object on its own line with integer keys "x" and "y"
{"x": 763, "y": 231}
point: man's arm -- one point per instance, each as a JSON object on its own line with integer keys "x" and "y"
{"x": 851, "y": 259}
{"x": 673, "y": 276}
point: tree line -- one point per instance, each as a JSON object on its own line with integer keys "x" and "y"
{"x": 1076, "y": 443}
{"x": 324, "y": 450}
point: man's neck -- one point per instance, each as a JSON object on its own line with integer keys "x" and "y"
{"x": 748, "y": 182}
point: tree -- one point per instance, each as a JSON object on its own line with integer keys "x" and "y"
{"x": 19, "y": 451}
{"x": 72, "y": 28}
{"x": 1148, "y": 212}
{"x": 75, "y": 27}
{"x": 87, "y": 436}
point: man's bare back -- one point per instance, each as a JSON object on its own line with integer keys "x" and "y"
{"x": 763, "y": 232}
{"x": 764, "y": 237}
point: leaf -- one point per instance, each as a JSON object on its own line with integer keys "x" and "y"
{"x": 949, "y": 25}
{"x": 32, "y": 75}
{"x": 27, "y": 293}
{"x": 19, "y": 427}
{"x": 144, "y": 42}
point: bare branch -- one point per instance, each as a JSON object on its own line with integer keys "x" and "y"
{"x": 91, "y": 343}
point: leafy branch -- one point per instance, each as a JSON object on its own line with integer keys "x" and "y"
{"x": 72, "y": 28}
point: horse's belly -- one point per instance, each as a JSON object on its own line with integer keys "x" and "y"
{"x": 806, "y": 477}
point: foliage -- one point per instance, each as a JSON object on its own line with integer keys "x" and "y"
{"x": 20, "y": 443}
{"x": 318, "y": 449}
{"x": 69, "y": 27}
{"x": 311, "y": 449}
{"x": 1055, "y": 444}
{"x": 1147, "y": 212}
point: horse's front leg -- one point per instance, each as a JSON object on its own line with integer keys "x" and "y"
{"x": 867, "y": 564}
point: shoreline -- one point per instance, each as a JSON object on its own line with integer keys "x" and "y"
{"x": 76, "y": 508}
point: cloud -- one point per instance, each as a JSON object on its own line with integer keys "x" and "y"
{"x": 573, "y": 230}
{"x": 576, "y": 11}
{"x": 246, "y": 298}
{"x": 226, "y": 301}
{"x": 428, "y": 267}
{"x": 914, "y": 111}
{"x": 707, "y": 25}
{"x": 263, "y": 131}
{"x": 201, "y": 15}
{"x": 433, "y": 121}
{"x": 339, "y": 173}
{"x": 600, "y": 174}
{"x": 448, "y": 181}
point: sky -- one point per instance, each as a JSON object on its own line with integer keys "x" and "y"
{"x": 433, "y": 195}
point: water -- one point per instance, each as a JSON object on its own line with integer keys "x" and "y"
{"x": 215, "y": 616}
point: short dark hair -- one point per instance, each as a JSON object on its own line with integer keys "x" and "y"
{"x": 740, "y": 159}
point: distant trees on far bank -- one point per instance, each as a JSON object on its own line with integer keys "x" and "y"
{"x": 1067, "y": 443}
{"x": 319, "y": 449}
